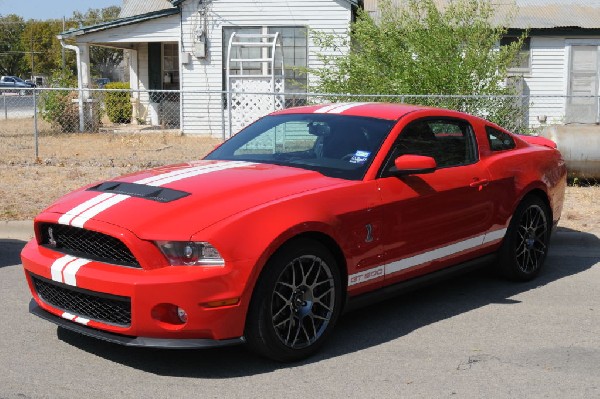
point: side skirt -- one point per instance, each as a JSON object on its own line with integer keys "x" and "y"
{"x": 362, "y": 300}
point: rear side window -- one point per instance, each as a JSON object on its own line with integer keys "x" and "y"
{"x": 499, "y": 141}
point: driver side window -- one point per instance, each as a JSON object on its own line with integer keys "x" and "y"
{"x": 450, "y": 142}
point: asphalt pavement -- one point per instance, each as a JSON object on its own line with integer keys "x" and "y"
{"x": 473, "y": 336}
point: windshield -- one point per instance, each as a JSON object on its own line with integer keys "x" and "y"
{"x": 334, "y": 145}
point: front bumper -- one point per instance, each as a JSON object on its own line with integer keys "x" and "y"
{"x": 131, "y": 341}
{"x": 149, "y": 293}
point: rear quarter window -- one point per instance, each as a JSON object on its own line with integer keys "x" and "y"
{"x": 499, "y": 140}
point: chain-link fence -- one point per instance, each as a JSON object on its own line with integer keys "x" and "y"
{"x": 220, "y": 114}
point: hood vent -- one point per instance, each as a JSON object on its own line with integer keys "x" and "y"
{"x": 153, "y": 193}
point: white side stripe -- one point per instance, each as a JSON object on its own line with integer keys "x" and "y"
{"x": 58, "y": 265}
{"x": 425, "y": 257}
{"x": 436, "y": 254}
{"x": 494, "y": 235}
{"x": 71, "y": 270}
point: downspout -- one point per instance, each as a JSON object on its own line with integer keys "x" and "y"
{"x": 79, "y": 81}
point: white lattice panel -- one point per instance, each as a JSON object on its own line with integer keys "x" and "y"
{"x": 248, "y": 103}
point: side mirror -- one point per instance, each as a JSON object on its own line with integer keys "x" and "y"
{"x": 413, "y": 165}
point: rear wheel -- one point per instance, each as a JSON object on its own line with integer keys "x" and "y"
{"x": 296, "y": 302}
{"x": 526, "y": 243}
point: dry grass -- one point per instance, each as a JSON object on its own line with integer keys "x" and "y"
{"x": 68, "y": 161}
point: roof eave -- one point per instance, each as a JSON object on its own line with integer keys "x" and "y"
{"x": 178, "y": 2}
{"x": 117, "y": 22}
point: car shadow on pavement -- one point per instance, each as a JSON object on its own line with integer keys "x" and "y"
{"x": 10, "y": 251}
{"x": 363, "y": 328}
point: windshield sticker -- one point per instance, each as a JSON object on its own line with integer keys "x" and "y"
{"x": 360, "y": 157}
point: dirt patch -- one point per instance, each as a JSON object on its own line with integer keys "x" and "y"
{"x": 69, "y": 161}
{"x": 581, "y": 209}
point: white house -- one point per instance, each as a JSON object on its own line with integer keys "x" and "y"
{"x": 183, "y": 45}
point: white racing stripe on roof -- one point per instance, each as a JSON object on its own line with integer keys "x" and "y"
{"x": 345, "y": 107}
{"x": 329, "y": 107}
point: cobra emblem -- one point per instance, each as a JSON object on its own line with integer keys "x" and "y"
{"x": 369, "y": 237}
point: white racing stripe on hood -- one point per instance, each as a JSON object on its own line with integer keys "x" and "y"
{"x": 196, "y": 172}
{"x": 70, "y": 215}
{"x": 83, "y": 212}
{"x": 80, "y": 220}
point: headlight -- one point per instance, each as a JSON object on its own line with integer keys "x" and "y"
{"x": 182, "y": 253}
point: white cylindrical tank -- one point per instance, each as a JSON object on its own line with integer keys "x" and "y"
{"x": 579, "y": 146}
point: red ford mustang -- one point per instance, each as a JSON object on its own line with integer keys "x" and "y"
{"x": 305, "y": 213}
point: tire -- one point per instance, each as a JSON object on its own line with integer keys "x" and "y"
{"x": 296, "y": 302}
{"x": 525, "y": 245}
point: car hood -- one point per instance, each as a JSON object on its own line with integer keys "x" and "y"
{"x": 180, "y": 200}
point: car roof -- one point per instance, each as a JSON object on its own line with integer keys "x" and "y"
{"x": 375, "y": 110}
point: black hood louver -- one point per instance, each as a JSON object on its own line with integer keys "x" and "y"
{"x": 153, "y": 193}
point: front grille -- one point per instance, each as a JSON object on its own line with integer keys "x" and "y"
{"x": 105, "y": 308}
{"x": 86, "y": 244}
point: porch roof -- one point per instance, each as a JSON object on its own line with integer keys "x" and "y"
{"x": 117, "y": 23}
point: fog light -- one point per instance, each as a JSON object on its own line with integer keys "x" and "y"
{"x": 182, "y": 315}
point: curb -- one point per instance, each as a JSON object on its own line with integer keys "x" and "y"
{"x": 16, "y": 230}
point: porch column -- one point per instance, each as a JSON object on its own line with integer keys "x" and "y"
{"x": 134, "y": 84}
{"x": 90, "y": 111}
{"x": 84, "y": 52}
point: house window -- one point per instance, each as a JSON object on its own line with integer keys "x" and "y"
{"x": 523, "y": 61}
{"x": 170, "y": 66}
{"x": 294, "y": 41}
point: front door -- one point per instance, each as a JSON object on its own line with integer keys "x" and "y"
{"x": 582, "y": 103}
{"x": 431, "y": 218}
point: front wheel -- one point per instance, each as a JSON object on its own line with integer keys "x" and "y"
{"x": 296, "y": 302}
{"x": 526, "y": 243}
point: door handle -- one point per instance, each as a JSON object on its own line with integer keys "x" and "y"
{"x": 480, "y": 184}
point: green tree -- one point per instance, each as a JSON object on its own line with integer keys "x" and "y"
{"x": 11, "y": 51}
{"x": 420, "y": 49}
{"x": 103, "y": 60}
{"x": 39, "y": 41}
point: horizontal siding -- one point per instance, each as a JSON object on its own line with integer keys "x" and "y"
{"x": 203, "y": 113}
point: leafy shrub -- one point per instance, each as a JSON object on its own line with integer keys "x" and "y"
{"x": 118, "y": 104}
{"x": 57, "y": 106}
